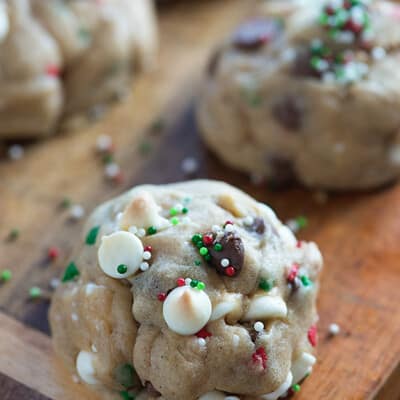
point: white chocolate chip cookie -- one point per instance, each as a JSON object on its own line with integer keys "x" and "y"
{"x": 223, "y": 310}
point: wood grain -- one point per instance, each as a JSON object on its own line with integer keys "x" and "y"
{"x": 358, "y": 233}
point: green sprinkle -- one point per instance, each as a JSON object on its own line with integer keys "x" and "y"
{"x": 197, "y": 262}
{"x": 6, "y": 275}
{"x": 207, "y": 257}
{"x": 35, "y": 292}
{"x": 174, "y": 221}
{"x": 185, "y": 210}
{"x": 84, "y": 34}
{"x": 66, "y": 202}
{"x": 71, "y": 272}
{"x": 266, "y": 284}
{"x": 173, "y": 211}
{"x": 302, "y": 222}
{"x": 201, "y": 286}
{"x": 199, "y": 244}
{"x": 126, "y": 395}
{"x": 14, "y": 234}
{"x": 91, "y": 237}
{"x": 218, "y": 247}
{"x": 296, "y": 388}
{"x": 151, "y": 230}
{"x": 124, "y": 375}
{"x": 108, "y": 158}
{"x": 203, "y": 251}
{"x": 187, "y": 200}
{"x": 122, "y": 269}
{"x": 194, "y": 283}
{"x": 157, "y": 126}
{"x": 145, "y": 148}
{"x": 197, "y": 238}
{"x": 305, "y": 280}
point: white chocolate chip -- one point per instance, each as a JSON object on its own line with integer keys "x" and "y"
{"x": 302, "y": 366}
{"x": 186, "y": 310}
{"x": 143, "y": 212}
{"x": 231, "y": 304}
{"x": 120, "y": 248}
{"x": 85, "y": 368}
{"x": 281, "y": 389}
{"x": 265, "y": 306}
{"x": 214, "y": 395}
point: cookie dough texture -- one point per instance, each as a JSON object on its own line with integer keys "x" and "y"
{"x": 62, "y": 58}
{"x": 190, "y": 330}
{"x": 265, "y": 110}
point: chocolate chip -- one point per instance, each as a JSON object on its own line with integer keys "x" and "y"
{"x": 281, "y": 171}
{"x": 289, "y": 113}
{"x": 257, "y": 226}
{"x": 213, "y": 63}
{"x": 255, "y": 33}
{"x": 232, "y": 249}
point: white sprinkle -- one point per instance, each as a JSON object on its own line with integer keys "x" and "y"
{"x": 94, "y": 348}
{"x": 293, "y": 225}
{"x": 202, "y": 342}
{"x": 216, "y": 228}
{"x": 103, "y": 143}
{"x": 229, "y": 228}
{"x": 76, "y": 212}
{"x": 75, "y": 378}
{"x": 378, "y": 53}
{"x": 187, "y": 281}
{"x": 189, "y": 165}
{"x": 186, "y": 220}
{"x": 248, "y": 220}
{"x": 119, "y": 216}
{"x": 133, "y": 229}
{"x": 334, "y": 329}
{"x": 179, "y": 208}
{"x": 146, "y": 255}
{"x": 258, "y": 326}
{"x": 74, "y": 317}
{"x": 54, "y": 283}
{"x": 231, "y": 398}
{"x": 141, "y": 232}
{"x": 225, "y": 262}
{"x": 15, "y": 152}
{"x": 288, "y": 55}
{"x": 112, "y": 170}
{"x": 144, "y": 266}
{"x": 235, "y": 340}
{"x": 328, "y": 77}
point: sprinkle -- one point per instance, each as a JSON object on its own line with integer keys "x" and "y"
{"x": 188, "y": 281}
{"x": 112, "y": 170}
{"x": 201, "y": 286}
{"x": 65, "y": 202}
{"x": 203, "y": 251}
{"x": 260, "y": 357}
{"x": 174, "y": 221}
{"x": 196, "y": 238}
{"x": 193, "y": 283}
{"x": 293, "y": 273}
{"x": 266, "y": 284}
{"x": 225, "y": 262}
{"x": 216, "y": 228}
{"x": 91, "y": 237}
{"x": 151, "y": 230}
{"x": 35, "y": 292}
{"x": 13, "y": 234}
{"x": 122, "y": 268}
{"x": 54, "y": 283}
{"x": 334, "y": 329}
{"x": 15, "y": 152}
{"x": 141, "y": 232}
{"x": 52, "y": 70}
{"x": 248, "y": 220}
{"x": 185, "y": 210}
{"x": 230, "y": 271}
{"x": 53, "y": 253}
{"x": 70, "y": 273}
{"x": 104, "y": 143}
{"x": 162, "y": 296}
{"x": 148, "y": 248}
{"x": 173, "y": 211}
{"x": 312, "y": 335}
{"x": 126, "y": 395}
{"x": 5, "y": 275}
{"x": 189, "y": 165}
{"x": 197, "y": 262}
{"x": 208, "y": 239}
{"x": 144, "y": 266}
{"x": 296, "y": 388}
{"x": 124, "y": 375}
{"x": 74, "y": 317}
{"x": 258, "y": 326}
{"x": 180, "y": 282}
{"x": 229, "y": 227}
{"x": 146, "y": 255}
{"x": 218, "y": 247}
{"x": 84, "y": 35}
{"x": 76, "y": 212}
{"x": 145, "y": 148}
{"x": 305, "y": 280}
{"x": 202, "y": 342}
{"x": 203, "y": 333}
{"x": 378, "y": 53}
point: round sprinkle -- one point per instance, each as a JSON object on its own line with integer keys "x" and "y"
{"x": 229, "y": 227}
{"x": 76, "y": 212}
{"x": 188, "y": 281}
{"x": 258, "y": 326}
{"x": 201, "y": 286}
{"x": 151, "y": 230}
{"x": 15, "y": 152}
{"x": 196, "y": 238}
{"x": 189, "y": 165}
{"x": 133, "y": 229}
{"x": 146, "y": 255}
{"x": 208, "y": 239}
{"x": 216, "y": 228}
{"x": 203, "y": 251}
{"x": 305, "y": 280}
{"x": 112, "y": 170}
{"x": 194, "y": 283}
{"x": 334, "y": 329}
{"x": 103, "y": 143}
{"x": 218, "y": 247}
{"x": 185, "y": 210}
{"x": 141, "y": 232}
{"x": 202, "y": 342}
{"x": 173, "y": 211}
{"x": 174, "y": 221}
{"x": 207, "y": 257}
{"x": 5, "y": 275}
{"x": 180, "y": 282}
{"x": 35, "y": 292}
{"x": 148, "y": 248}
{"x": 162, "y": 296}
{"x": 265, "y": 284}
{"x": 296, "y": 388}
{"x": 144, "y": 266}
{"x": 122, "y": 268}
{"x": 225, "y": 262}
{"x": 13, "y": 234}
{"x": 230, "y": 271}
{"x": 54, "y": 283}
{"x": 53, "y": 253}
{"x": 248, "y": 220}
{"x": 197, "y": 263}
{"x": 179, "y": 208}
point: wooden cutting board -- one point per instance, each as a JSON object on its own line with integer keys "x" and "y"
{"x": 358, "y": 233}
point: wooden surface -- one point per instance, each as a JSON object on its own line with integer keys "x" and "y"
{"x": 358, "y": 234}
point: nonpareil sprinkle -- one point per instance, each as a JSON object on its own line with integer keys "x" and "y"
{"x": 5, "y": 275}
{"x": 266, "y": 284}
{"x": 35, "y": 292}
{"x": 151, "y": 230}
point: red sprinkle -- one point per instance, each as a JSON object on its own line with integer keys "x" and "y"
{"x": 162, "y": 296}
{"x": 293, "y": 273}
{"x": 53, "y": 70}
{"x": 53, "y": 253}
{"x": 230, "y": 271}
{"x": 228, "y": 222}
{"x": 148, "y": 248}
{"x": 260, "y": 356}
{"x": 208, "y": 239}
{"x": 203, "y": 333}
{"x": 119, "y": 178}
{"x": 180, "y": 282}
{"x": 313, "y": 335}
{"x": 299, "y": 244}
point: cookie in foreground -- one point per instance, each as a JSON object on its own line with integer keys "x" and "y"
{"x": 188, "y": 291}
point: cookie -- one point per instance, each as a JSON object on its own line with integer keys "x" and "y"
{"x": 63, "y": 58}
{"x": 310, "y": 96}
{"x": 188, "y": 291}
